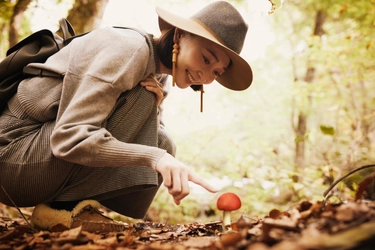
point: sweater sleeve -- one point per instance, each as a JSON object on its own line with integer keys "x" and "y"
{"x": 100, "y": 66}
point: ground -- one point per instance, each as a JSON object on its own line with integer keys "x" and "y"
{"x": 310, "y": 225}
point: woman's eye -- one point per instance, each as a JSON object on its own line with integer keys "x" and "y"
{"x": 217, "y": 74}
{"x": 206, "y": 61}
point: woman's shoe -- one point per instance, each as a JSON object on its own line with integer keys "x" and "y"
{"x": 85, "y": 214}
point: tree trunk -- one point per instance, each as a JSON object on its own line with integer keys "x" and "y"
{"x": 86, "y": 15}
{"x": 302, "y": 118}
{"x": 16, "y": 21}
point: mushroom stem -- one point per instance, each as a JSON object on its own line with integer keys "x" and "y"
{"x": 226, "y": 218}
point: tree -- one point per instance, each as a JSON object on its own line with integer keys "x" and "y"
{"x": 12, "y": 15}
{"x": 86, "y": 15}
{"x": 339, "y": 63}
{"x": 16, "y": 20}
{"x": 301, "y": 128}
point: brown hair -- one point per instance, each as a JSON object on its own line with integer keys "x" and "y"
{"x": 165, "y": 47}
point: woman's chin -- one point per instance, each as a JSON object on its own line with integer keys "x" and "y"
{"x": 182, "y": 86}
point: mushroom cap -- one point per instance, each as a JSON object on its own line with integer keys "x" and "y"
{"x": 228, "y": 202}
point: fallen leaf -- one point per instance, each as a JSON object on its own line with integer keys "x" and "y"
{"x": 363, "y": 185}
{"x": 72, "y": 236}
{"x": 230, "y": 239}
{"x": 313, "y": 239}
{"x": 199, "y": 242}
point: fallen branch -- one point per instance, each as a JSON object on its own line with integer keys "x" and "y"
{"x": 18, "y": 209}
{"x": 325, "y": 194}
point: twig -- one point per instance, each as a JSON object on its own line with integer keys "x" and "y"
{"x": 343, "y": 177}
{"x": 14, "y": 204}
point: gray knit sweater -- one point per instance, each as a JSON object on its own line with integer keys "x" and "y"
{"x": 98, "y": 67}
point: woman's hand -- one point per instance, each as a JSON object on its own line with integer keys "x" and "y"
{"x": 177, "y": 175}
{"x": 151, "y": 84}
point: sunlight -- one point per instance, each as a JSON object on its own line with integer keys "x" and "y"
{"x": 46, "y": 14}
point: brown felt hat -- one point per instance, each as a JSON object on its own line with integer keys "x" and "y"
{"x": 221, "y": 23}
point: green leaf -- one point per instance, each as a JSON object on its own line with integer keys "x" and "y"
{"x": 300, "y": 138}
{"x": 327, "y": 130}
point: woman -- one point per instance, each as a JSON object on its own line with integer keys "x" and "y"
{"x": 97, "y": 137}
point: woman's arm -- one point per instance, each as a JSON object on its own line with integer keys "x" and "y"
{"x": 98, "y": 72}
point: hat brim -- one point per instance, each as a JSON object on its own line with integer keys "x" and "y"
{"x": 237, "y": 77}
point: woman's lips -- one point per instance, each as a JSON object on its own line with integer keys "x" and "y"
{"x": 190, "y": 78}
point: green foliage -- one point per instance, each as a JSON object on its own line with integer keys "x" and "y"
{"x": 6, "y": 8}
{"x": 253, "y": 144}
{"x": 31, "y": 16}
{"x": 327, "y": 130}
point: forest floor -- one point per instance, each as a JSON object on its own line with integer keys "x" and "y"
{"x": 348, "y": 225}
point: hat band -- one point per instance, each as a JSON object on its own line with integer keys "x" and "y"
{"x": 206, "y": 28}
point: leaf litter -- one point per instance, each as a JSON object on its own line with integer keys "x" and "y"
{"x": 309, "y": 225}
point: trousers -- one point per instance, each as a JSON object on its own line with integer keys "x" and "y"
{"x": 30, "y": 174}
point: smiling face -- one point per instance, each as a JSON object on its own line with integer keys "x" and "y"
{"x": 199, "y": 61}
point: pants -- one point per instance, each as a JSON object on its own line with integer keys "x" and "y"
{"x": 30, "y": 174}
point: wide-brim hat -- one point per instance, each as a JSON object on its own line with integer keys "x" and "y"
{"x": 222, "y": 24}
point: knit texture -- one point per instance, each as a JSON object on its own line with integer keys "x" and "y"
{"x": 94, "y": 134}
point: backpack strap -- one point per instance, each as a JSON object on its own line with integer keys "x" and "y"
{"x": 68, "y": 35}
{"x": 66, "y": 28}
{"x": 31, "y": 71}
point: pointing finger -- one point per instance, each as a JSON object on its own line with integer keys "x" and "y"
{"x": 201, "y": 182}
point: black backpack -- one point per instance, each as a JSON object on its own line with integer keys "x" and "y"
{"x": 35, "y": 48}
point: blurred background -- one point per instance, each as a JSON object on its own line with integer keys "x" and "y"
{"x": 307, "y": 119}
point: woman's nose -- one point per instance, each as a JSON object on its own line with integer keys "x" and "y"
{"x": 207, "y": 78}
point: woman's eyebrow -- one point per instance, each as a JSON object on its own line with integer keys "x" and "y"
{"x": 215, "y": 56}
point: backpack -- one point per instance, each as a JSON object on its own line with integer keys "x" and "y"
{"x": 37, "y": 47}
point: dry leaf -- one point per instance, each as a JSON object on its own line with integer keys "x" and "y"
{"x": 199, "y": 242}
{"x": 363, "y": 185}
{"x": 309, "y": 226}
{"x": 230, "y": 239}
{"x": 346, "y": 239}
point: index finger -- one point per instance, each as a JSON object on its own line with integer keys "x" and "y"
{"x": 201, "y": 182}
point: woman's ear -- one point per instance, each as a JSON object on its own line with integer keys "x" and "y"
{"x": 177, "y": 35}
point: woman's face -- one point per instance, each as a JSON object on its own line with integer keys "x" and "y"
{"x": 199, "y": 61}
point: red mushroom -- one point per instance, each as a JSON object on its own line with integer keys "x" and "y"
{"x": 228, "y": 202}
